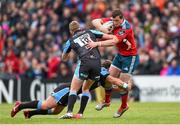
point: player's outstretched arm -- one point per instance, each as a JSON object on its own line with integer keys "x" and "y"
{"x": 110, "y": 42}
{"x": 117, "y": 82}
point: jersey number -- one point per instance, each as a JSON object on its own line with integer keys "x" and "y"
{"x": 82, "y": 40}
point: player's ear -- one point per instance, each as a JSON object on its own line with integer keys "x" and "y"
{"x": 71, "y": 32}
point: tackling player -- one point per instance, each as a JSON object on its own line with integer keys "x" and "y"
{"x": 126, "y": 60}
{"x": 58, "y": 100}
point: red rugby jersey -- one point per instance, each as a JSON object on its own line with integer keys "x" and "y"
{"x": 124, "y": 31}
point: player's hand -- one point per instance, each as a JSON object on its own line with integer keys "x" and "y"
{"x": 129, "y": 45}
{"x": 91, "y": 44}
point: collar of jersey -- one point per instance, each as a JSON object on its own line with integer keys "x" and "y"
{"x": 123, "y": 22}
{"x": 76, "y": 33}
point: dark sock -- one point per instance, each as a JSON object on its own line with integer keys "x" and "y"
{"x": 39, "y": 112}
{"x": 32, "y": 105}
{"x": 71, "y": 101}
{"x": 84, "y": 100}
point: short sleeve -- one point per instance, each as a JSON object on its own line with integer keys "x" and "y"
{"x": 67, "y": 47}
{"x": 97, "y": 33}
{"x": 104, "y": 72}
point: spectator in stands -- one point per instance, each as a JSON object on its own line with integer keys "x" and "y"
{"x": 173, "y": 69}
{"x": 33, "y": 27}
{"x": 164, "y": 70}
{"x": 64, "y": 72}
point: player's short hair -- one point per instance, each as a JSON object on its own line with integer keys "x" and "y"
{"x": 106, "y": 64}
{"x": 74, "y": 26}
{"x": 116, "y": 13}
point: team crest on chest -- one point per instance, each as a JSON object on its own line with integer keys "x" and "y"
{"x": 121, "y": 32}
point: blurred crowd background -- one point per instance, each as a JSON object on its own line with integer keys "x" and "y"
{"x": 33, "y": 32}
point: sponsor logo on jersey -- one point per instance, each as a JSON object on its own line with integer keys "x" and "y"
{"x": 121, "y": 32}
{"x": 126, "y": 68}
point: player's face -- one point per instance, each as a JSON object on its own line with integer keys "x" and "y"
{"x": 117, "y": 21}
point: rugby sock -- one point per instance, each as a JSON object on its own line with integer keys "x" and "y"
{"x": 71, "y": 101}
{"x": 25, "y": 105}
{"x": 108, "y": 96}
{"x": 124, "y": 99}
{"x": 40, "y": 112}
{"x": 39, "y": 104}
{"x": 84, "y": 100}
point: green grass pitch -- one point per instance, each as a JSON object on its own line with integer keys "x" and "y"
{"x": 138, "y": 113}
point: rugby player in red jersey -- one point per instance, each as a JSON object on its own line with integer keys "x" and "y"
{"x": 125, "y": 61}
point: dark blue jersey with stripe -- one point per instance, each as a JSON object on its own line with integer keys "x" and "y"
{"x": 79, "y": 41}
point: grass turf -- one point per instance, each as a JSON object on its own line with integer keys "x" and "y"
{"x": 138, "y": 113}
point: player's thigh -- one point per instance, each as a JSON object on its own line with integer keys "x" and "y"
{"x": 94, "y": 70}
{"x": 76, "y": 83}
{"x": 94, "y": 73}
{"x": 58, "y": 109}
{"x": 114, "y": 71}
{"x": 126, "y": 77}
{"x": 86, "y": 85}
{"x": 61, "y": 95}
{"x": 116, "y": 66}
{"x": 82, "y": 70}
{"x": 50, "y": 102}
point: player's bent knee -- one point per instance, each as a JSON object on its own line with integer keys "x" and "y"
{"x": 44, "y": 105}
{"x": 126, "y": 77}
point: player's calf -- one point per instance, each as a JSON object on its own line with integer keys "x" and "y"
{"x": 29, "y": 114}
